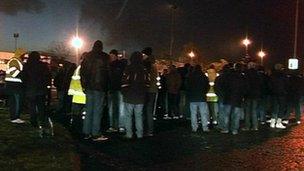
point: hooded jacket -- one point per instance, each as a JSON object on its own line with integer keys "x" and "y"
{"x": 135, "y": 81}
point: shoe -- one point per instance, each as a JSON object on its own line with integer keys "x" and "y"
{"x": 298, "y": 122}
{"x": 167, "y": 117}
{"x": 286, "y": 122}
{"x": 279, "y": 124}
{"x": 214, "y": 122}
{"x": 101, "y": 138}
{"x": 121, "y": 130}
{"x": 245, "y": 129}
{"x": 234, "y": 132}
{"x": 224, "y": 131}
{"x": 272, "y": 123}
{"x": 254, "y": 129}
{"x": 150, "y": 135}
{"x": 262, "y": 123}
{"x": 18, "y": 121}
{"x": 175, "y": 117}
{"x": 268, "y": 121}
{"x": 87, "y": 137}
{"x": 111, "y": 130}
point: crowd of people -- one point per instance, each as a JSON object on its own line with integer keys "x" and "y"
{"x": 134, "y": 88}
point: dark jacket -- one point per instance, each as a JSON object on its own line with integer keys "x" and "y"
{"x": 221, "y": 85}
{"x": 36, "y": 76}
{"x": 197, "y": 87}
{"x": 173, "y": 81}
{"x": 278, "y": 84}
{"x": 295, "y": 84}
{"x": 265, "y": 85}
{"x": 94, "y": 71}
{"x": 63, "y": 77}
{"x": 254, "y": 84}
{"x": 135, "y": 81}
{"x": 116, "y": 71}
{"x": 236, "y": 89}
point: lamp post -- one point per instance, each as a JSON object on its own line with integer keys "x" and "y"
{"x": 246, "y": 42}
{"x": 16, "y": 36}
{"x": 261, "y": 54}
{"x": 77, "y": 43}
{"x": 173, "y": 9}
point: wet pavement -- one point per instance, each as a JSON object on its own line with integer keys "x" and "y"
{"x": 175, "y": 147}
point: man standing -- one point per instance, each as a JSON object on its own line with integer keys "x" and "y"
{"x": 253, "y": 94}
{"x": 149, "y": 63}
{"x": 197, "y": 88}
{"x": 135, "y": 83}
{"x": 14, "y": 85}
{"x": 94, "y": 78}
{"x": 116, "y": 115}
{"x": 36, "y": 76}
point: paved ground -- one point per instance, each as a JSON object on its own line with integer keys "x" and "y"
{"x": 175, "y": 148}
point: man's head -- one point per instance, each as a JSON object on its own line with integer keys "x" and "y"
{"x": 113, "y": 54}
{"x": 136, "y": 58}
{"x": 147, "y": 51}
{"x": 34, "y": 57}
{"x": 98, "y": 46}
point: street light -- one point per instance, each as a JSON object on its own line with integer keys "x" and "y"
{"x": 77, "y": 43}
{"x": 246, "y": 42}
{"x": 261, "y": 54}
{"x": 191, "y": 55}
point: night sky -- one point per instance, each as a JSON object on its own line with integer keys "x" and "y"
{"x": 215, "y": 26}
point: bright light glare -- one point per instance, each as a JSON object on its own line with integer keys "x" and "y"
{"x": 261, "y": 54}
{"x": 246, "y": 42}
{"x": 191, "y": 54}
{"x": 77, "y": 42}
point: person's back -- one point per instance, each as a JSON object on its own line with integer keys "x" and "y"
{"x": 237, "y": 88}
{"x": 135, "y": 84}
{"x": 136, "y": 81}
{"x": 36, "y": 77}
{"x": 253, "y": 84}
{"x": 174, "y": 81}
{"x": 278, "y": 83}
{"x": 94, "y": 71}
{"x": 197, "y": 86}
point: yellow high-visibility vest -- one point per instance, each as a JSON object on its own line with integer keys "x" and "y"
{"x": 75, "y": 89}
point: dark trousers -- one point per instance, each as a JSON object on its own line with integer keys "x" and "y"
{"x": 150, "y": 101}
{"x": 37, "y": 109}
{"x": 173, "y": 104}
{"x": 279, "y": 107}
{"x": 64, "y": 102}
{"x": 15, "y": 99}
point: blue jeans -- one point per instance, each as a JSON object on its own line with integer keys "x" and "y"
{"x": 221, "y": 117}
{"x": 115, "y": 109}
{"x": 204, "y": 112}
{"x": 94, "y": 106}
{"x": 235, "y": 118}
{"x": 261, "y": 109}
{"x": 251, "y": 118}
{"x": 15, "y": 99}
{"x": 138, "y": 113}
{"x": 226, "y": 117}
{"x": 296, "y": 105}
